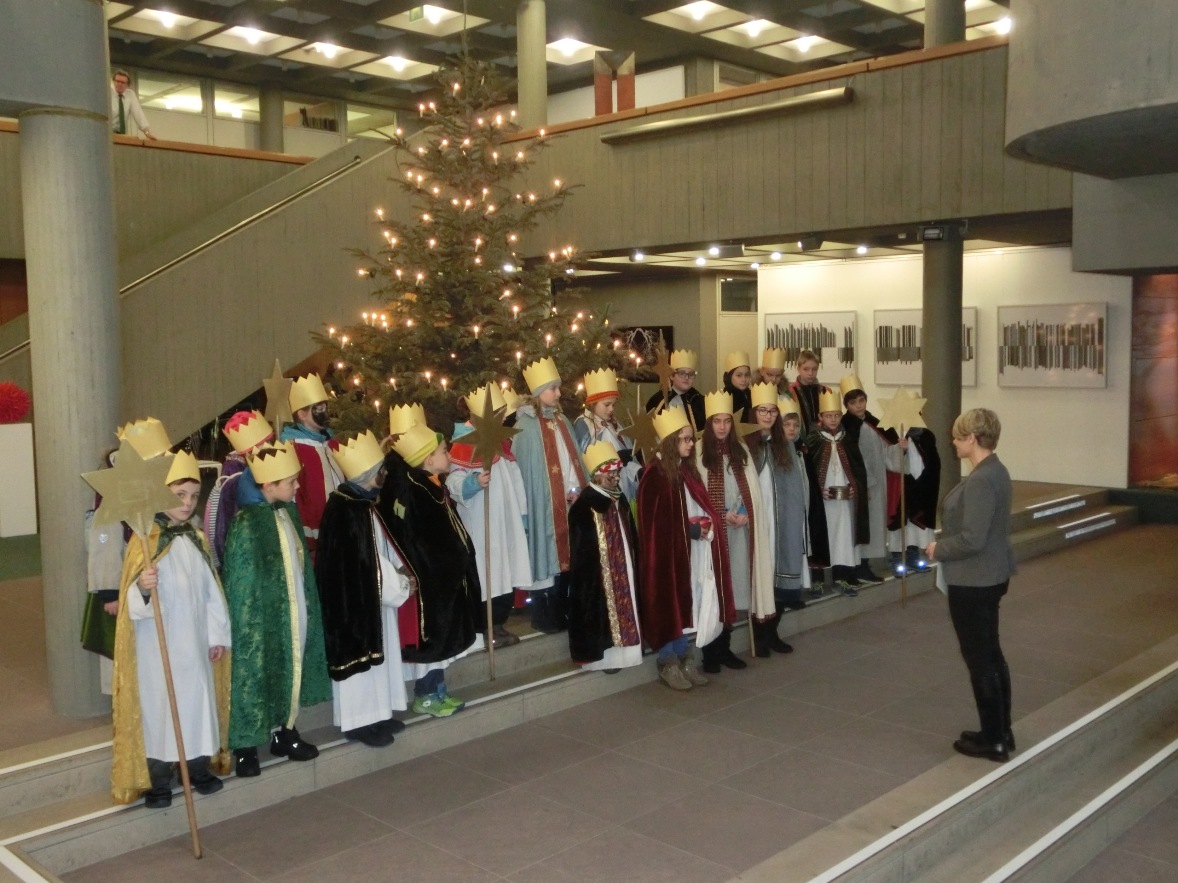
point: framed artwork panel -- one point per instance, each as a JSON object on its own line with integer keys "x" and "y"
{"x": 832, "y": 337}
{"x": 898, "y": 337}
{"x": 1059, "y": 346}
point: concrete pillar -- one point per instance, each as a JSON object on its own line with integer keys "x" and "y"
{"x": 944, "y": 22}
{"x": 532, "y": 65}
{"x": 270, "y": 119}
{"x": 67, "y": 194}
{"x": 699, "y": 76}
{"x": 940, "y": 346}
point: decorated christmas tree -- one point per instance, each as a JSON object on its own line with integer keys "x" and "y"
{"x": 456, "y": 302}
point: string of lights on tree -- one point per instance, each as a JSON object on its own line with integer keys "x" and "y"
{"x": 458, "y": 304}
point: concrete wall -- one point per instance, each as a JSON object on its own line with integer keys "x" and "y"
{"x": 157, "y": 191}
{"x": 919, "y": 141}
{"x": 1064, "y": 435}
{"x": 1125, "y": 226}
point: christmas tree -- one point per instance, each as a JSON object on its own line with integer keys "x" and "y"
{"x": 457, "y": 304}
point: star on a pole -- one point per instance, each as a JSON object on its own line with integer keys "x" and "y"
{"x": 641, "y": 431}
{"x": 902, "y": 411}
{"x": 489, "y": 432}
{"x": 662, "y": 366}
{"x": 278, "y": 398}
{"x": 745, "y": 429}
{"x": 133, "y": 490}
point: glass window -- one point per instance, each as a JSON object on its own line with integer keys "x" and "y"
{"x": 231, "y": 101}
{"x": 738, "y": 295}
{"x": 311, "y": 114}
{"x": 371, "y": 122}
{"x": 160, "y": 91}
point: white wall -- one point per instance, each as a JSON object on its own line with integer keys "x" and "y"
{"x": 654, "y": 87}
{"x": 1076, "y": 436}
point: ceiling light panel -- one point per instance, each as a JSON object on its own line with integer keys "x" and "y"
{"x": 396, "y": 67}
{"x": 433, "y": 20}
{"x": 805, "y": 48}
{"x": 251, "y": 40}
{"x": 698, "y": 17}
{"x": 754, "y": 33}
{"x": 326, "y": 54}
{"x": 568, "y": 50}
{"x": 161, "y": 23}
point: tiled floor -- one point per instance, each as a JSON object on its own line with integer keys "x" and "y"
{"x": 649, "y": 784}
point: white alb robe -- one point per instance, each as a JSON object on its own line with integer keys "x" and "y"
{"x": 510, "y": 566}
{"x": 196, "y": 619}
{"x": 840, "y": 514}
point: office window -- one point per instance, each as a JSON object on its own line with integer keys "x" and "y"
{"x": 160, "y": 91}
{"x": 234, "y": 102}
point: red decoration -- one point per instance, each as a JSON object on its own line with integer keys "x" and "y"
{"x": 14, "y": 403}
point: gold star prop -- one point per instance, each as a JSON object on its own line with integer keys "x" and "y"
{"x": 641, "y": 431}
{"x": 278, "y": 398}
{"x": 902, "y": 411}
{"x": 489, "y": 432}
{"x": 662, "y": 366}
{"x": 133, "y": 490}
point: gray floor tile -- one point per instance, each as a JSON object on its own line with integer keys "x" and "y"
{"x": 779, "y": 719}
{"x": 611, "y": 721}
{"x": 519, "y": 754}
{"x": 397, "y": 856}
{"x": 703, "y": 750}
{"x": 883, "y": 746}
{"x": 1117, "y": 866}
{"x": 616, "y": 855}
{"x": 169, "y": 860}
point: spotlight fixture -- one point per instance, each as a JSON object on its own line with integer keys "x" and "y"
{"x": 862, "y": 249}
{"x": 701, "y": 261}
{"x": 714, "y": 251}
{"x": 735, "y": 250}
{"x": 810, "y": 242}
{"x": 756, "y": 265}
{"x": 637, "y": 256}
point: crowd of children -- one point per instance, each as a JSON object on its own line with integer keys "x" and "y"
{"x": 342, "y": 570}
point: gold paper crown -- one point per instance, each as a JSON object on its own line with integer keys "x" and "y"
{"x": 684, "y": 359}
{"x": 669, "y": 421}
{"x": 773, "y": 358}
{"x": 274, "y": 462}
{"x": 735, "y": 359}
{"x": 763, "y": 394}
{"x": 598, "y": 454}
{"x": 828, "y": 400}
{"x": 357, "y": 455}
{"x": 850, "y": 382}
{"x": 476, "y": 400}
{"x": 401, "y": 417}
{"x": 249, "y": 434}
{"x": 540, "y": 373}
{"x": 184, "y": 468}
{"x": 417, "y": 443}
{"x": 600, "y": 384}
{"x": 148, "y": 437}
{"x": 786, "y": 406}
{"x": 513, "y": 399}
{"x": 306, "y": 391}
{"x": 717, "y": 403}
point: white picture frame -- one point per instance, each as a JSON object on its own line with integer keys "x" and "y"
{"x": 1056, "y": 346}
{"x": 898, "y": 334}
{"x": 832, "y": 336}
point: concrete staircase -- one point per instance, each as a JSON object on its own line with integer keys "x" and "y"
{"x": 55, "y": 810}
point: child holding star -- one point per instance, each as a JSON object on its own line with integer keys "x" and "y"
{"x": 196, "y": 622}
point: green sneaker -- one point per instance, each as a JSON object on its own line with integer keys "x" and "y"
{"x": 450, "y": 701}
{"x": 434, "y": 706}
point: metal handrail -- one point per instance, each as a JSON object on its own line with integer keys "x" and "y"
{"x": 8, "y": 354}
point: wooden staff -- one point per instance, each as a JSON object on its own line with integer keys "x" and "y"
{"x": 167, "y": 664}
{"x": 903, "y": 529}
{"x": 487, "y": 569}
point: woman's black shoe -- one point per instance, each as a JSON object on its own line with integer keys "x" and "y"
{"x": 976, "y": 736}
{"x": 985, "y": 750}
{"x": 733, "y": 661}
{"x": 288, "y": 743}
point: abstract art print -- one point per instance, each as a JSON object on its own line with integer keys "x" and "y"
{"x": 898, "y": 336}
{"x": 831, "y": 336}
{"x": 1054, "y": 345}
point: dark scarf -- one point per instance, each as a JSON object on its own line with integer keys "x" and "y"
{"x": 619, "y": 602}
{"x": 824, "y": 462}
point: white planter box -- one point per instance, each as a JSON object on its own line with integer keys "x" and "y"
{"x": 18, "y": 486}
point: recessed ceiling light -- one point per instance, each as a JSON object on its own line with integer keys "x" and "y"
{"x": 862, "y": 249}
{"x": 714, "y": 250}
{"x": 756, "y": 265}
{"x": 396, "y": 62}
{"x": 700, "y": 261}
{"x": 805, "y": 44}
{"x": 755, "y": 26}
{"x": 1002, "y": 26}
{"x": 777, "y": 255}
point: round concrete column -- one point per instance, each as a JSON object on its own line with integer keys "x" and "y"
{"x": 944, "y": 22}
{"x": 532, "y": 63}
{"x": 62, "y": 97}
{"x": 270, "y": 119}
{"x": 940, "y": 346}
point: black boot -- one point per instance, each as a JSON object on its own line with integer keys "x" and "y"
{"x": 775, "y": 643}
{"x": 711, "y": 654}
{"x": 727, "y": 657}
{"x": 201, "y": 778}
{"x": 288, "y": 743}
{"x": 761, "y": 638}
{"x": 160, "y": 796}
{"x": 991, "y": 744}
{"x": 245, "y": 762}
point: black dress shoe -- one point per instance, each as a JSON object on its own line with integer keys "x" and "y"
{"x": 288, "y": 743}
{"x": 976, "y": 736}
{"x": 733, "y": 661}
{"x": 157, "y": 798}
{"x": 970, "y": 748}
{"x": 392, "y": 726}
{"x": 711, "y": 666}
{"x": 373, "y": 735}
{"x": 779, "y": 646}
{"x": 799, "y": 604}
{"x": 205, "y": 783}
{"x": 246, "y": 762}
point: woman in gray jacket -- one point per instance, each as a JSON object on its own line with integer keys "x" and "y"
{"x": 974, "y": 548}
